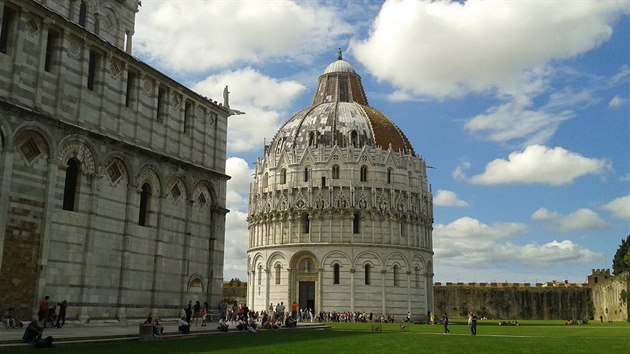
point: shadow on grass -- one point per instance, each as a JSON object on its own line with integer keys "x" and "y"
{"x": 282, "y": 341}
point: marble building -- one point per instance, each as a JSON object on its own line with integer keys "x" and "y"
{"x": 340, "y": 210}
{"x": 112, "y": 174}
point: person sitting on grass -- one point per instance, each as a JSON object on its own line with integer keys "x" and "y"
{"x": 290, "y": 323}
{"x": 271, "y": 324}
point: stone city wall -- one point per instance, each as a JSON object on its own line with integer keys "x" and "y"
{"x": 610, "y": 299}
{"x": 508, "y": 303}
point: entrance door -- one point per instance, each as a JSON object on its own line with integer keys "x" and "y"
{"x": 307, "y": 295}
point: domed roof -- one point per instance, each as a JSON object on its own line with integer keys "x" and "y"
{"x": 339, "y": 66}
{"x": 340, "y": 115}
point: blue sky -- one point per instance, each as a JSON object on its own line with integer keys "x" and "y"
{"x": 522, "y": 107}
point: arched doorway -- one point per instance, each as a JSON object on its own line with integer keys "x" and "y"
{"x": 305, "y": 282}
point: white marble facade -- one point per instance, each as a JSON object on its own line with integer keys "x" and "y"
{"x": 112, "y": 175}
{"x": 340, "y": 211}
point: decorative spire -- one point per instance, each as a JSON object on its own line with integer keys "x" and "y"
{"x": 339, "y": 57}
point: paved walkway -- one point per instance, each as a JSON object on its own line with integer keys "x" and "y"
{"x": 75, "y": 333}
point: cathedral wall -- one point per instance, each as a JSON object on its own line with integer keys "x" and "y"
{"x": 86, "y": 81}
{"x": 71, "y": 97}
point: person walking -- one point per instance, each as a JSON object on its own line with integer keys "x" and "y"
{"x": 61, "y": 318}
{"x": 204, "y": 314}
{"x": 446, "y": 324}
{"x": 473, "y": 324}
{"x": 42, "y": 314}
{"x": 188, "y": 310}
{"x": 196, "y": 312}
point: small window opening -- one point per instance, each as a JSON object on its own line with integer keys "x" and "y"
{"x": 145, "y": 200}
{"x": 70, "y": 187}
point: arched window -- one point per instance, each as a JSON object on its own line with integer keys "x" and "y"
{"x": 389, "y": 176}
{"x": 306, "y": 266}
{"x": 312, "y": 139}
{"x": 335, "y": 172}
{"x": 336, "y": 273}
{"x": 283, "y": 176}
{"x": 396, "y": 271}
{"x": 265, "y": 180}
{"x": 354, "y": 139}
{"x": 417, "y": 271}
{"x": 306, "y": 227}
{"x": 363, "y": 173}
{"x": 70, "y": 187}
{"x": 367, "y": 274}
{"x": 145, "y": 200}
{"x": 356, "y": 223}
{"x": 306, "y": 174}
{"x": 278, "y": 273}
{"x": 82, "y": 14}
{"x": 260, "y": 273}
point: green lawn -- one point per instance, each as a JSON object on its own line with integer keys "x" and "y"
{"x": 530, "y": 337}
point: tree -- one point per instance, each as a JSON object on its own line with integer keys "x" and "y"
{"x": 621, "y": 261}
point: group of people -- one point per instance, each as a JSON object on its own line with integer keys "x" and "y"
{"x": 10, "y": 319}
{"x": 156, "y": 326}
{"x": 47, "y": 313}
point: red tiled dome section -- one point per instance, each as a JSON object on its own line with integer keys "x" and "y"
{"x": 386, "y": 132}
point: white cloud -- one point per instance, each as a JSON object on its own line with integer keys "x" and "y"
{"x": 448, "y": 199}
{"x": 616, "y": 102}
{"x": 236, "y": 243}
{"x": 580, "y": 220}
{"x": 479, "y": 45}
{"x": 195, "y": 36}
{"x": 513, "y": 120}
{"x": 619, "y": 207}
{"x": 467, "y": 242}
{"x": 264, "y": 100}
{"x": 459, "y": 174}
{"x": 238, "y": 185}
{"x": 541, "y": 165}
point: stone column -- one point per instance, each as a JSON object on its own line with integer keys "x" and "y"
{"x": 352, "y": 280}
{"x": 157, "y": 250}
{"x": 319, "y": 298}
{"x": 409, "y": 291}
{"x": 267, "y": 285}
{"x": 185, "y": 253}
{"x": 87, "y": 246}
{"x": 291, "y": 286}
{"x": 124, "y": 259}
{"x": 6, "y": 162}
{"x": 383, "y": 300}
{"x": 216, "y": 255}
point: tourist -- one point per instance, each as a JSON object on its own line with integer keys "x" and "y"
{"x": 33, "y": 332}
{"x": 196, "y": 312}
{"x": 158, "y": 329}
{"x": 473, "y": 324}
{"x": 42, "y": 314}
{"x": 61, "y": 318}
{"x": 183, "y": 326}
{"x": 446, "y": 324}
{"x": 204, "y": 314}
{"x": 294, "y": 311}
{"x": 223, "y": 326}
{"x": 10, "y": 319}
{"x": 188, "y": 310}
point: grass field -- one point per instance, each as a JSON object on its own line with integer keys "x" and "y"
{"x": 530, "y": 337}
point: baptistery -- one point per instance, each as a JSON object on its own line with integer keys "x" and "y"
{"x": 340, "y": 210}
